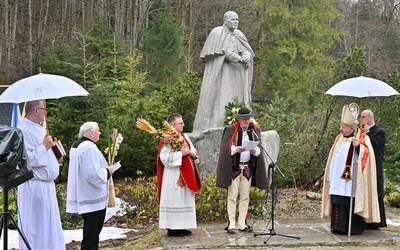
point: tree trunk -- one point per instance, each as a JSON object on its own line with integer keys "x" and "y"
{"x": 44, "y": 12}
{"x": 30, "y": 38}
{"x": 84, "y": 45}
{"x": 135, "y": 24}
{"x": 129, "y": 21}
{"x": 7, "y": 38}
{"x": 14, "y": 24}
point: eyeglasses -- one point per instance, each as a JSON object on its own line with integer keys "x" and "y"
{"x": 39, "y": 108}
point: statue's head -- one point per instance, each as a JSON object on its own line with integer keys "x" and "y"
{"x": 231, "y": 20}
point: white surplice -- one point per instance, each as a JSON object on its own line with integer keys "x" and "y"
{"x": 87, "y": 189}
{"x": 339, "y": 186}
{"x": 38, "y": 212}
{"x": 177, "y": 203}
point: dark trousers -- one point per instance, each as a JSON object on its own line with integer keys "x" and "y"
{"x": 92, "y": 225}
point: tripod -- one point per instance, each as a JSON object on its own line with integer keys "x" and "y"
{"x": 5, "y": 216}
{"x": 271, "y": 170}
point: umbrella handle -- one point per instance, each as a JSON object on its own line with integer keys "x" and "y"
{"x": 45, "y": 118}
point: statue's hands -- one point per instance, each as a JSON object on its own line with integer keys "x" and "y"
{"x": 245, "y": 59}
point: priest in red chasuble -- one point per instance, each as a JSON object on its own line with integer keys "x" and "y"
{"x": 178, "y": 181}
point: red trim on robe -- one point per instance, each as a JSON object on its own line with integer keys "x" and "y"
{"x": 189, "y": 172}
{"x": 366, "y": 154}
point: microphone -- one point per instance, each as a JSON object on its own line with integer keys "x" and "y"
{"x": 255, "y": 134}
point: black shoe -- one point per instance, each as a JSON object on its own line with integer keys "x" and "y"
{"x": 371, "y": 226}
{"x": 175, "y": 233}
{"x": 185, "y": 232}
{"x": 247, "y": 229}
{"x": 337, "y": 231}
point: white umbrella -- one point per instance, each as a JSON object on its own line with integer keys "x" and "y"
{"x": 361, "y": 87}
{"x": 40, "y": 87}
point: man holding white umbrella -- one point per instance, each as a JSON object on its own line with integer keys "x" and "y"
{"x": 377, "y": 136}
{"x": 39, "y": 216}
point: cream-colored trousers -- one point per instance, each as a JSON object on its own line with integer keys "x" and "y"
{"x": 240, "y": 186}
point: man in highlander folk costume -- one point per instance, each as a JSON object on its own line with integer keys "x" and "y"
{"x": 177, "y": 182}
{"x": 239, "y": 168}
{"x": 352, "y": 148}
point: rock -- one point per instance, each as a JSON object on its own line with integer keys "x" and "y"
{"x": 314, "y": 196}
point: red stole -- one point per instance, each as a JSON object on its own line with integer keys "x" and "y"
{"x": 189, "y": 173}
{"x": 366, "y": 154}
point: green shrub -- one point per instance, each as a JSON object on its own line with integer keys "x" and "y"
{"x": 211, "y": 201}
{"x": 12, "y": 205}
{"x": 140, "y": 202}
{"x": 394, "y": 199}
{"x": 69, "y": 221}
{"x": 389, "y": 187}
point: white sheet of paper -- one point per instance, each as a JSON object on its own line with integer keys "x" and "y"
{"x": 117, "y": 165}
{"x": 249, "y": 145}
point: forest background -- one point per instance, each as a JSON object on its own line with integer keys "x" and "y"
{"x": 140, "y": 58}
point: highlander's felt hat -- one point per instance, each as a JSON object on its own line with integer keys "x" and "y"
{"x": 348, "y": 118}
{"x": 244, "y": 113}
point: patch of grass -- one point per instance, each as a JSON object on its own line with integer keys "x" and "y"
{"x": 145, "y": 241}
{"x": 134, "y": 241}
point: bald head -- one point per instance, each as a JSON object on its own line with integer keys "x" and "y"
{"x": 231, "y": 20}
{"x": 367, "y": 117}
{"x": 228, "y": 14}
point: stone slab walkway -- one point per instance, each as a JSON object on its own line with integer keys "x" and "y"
{"x": 303, "y": 234}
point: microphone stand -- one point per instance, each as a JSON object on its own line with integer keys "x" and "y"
{"x": 271, "y": 170}
{"x": 5, "y": 217}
